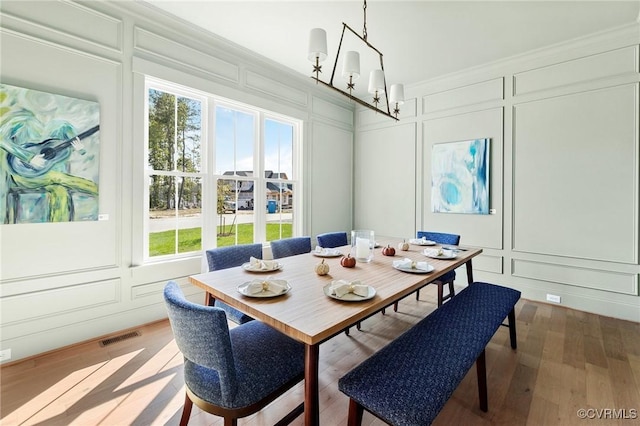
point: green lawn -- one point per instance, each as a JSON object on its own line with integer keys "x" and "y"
{"x": 163, "y": 243}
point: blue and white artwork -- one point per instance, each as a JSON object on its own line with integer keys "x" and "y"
{"x": 460, "y": 177}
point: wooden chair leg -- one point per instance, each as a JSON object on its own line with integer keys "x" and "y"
{"x": 395, "y": 307}
{"x": 452, "y": 290}
{"x": 481, "y": 370}
{"x": 186, "y": 411}
{"x": 440, "y": 285}
{"x": 230, "y": 421}
{"x": 417, "y": 294}
{"x": 209, "y": 300}
{"x": 355, "y": 413}
{"x": 512, "y": 329}
{"x": 358, "y": 326}
{"x": 346, "y": 332}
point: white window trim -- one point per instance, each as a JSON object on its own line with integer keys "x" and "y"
{"x": 207, "y": 174}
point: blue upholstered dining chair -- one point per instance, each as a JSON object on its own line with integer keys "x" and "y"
{"x": 229, "y": 257}
{"x": 332, "y": 239}
{"x": 234, "y": 372}
{"x": 290, "y": 247}
{"x": 449, "y": 277}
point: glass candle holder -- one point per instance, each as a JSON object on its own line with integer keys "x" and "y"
{"x": 362, "y": 245}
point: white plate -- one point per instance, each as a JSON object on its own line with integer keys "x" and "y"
{"x": 321, "y": 254}
{"x": 429, "y": 253}
{"x": 247, "y": 267}
{"x": 349, "y": 297}
{"x": 421, "y": 242}
{"x": 416, "y": 270}
{"x": 244, "y": 289}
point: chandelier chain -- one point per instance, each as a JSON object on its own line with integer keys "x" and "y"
{"x": 364, "y": 30}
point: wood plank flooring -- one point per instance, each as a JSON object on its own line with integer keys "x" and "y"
{"x": 566, "y": 361}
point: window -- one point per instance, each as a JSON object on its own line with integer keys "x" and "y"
{"x": 236, "y": 167}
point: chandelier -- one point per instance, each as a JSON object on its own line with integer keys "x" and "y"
{"x": 351, "y": 71}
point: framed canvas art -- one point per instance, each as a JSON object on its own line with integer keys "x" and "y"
{"x": 49, "y": 157}
{"x": 460, "y": 177}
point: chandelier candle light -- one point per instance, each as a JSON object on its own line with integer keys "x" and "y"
{"x": 351, "y": 71}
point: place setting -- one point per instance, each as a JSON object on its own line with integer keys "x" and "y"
{"x": 421, "y": 242}
{"x": 326, "y": 252}
{"x": 349, "y": 291}
{"x": 412, "y": 266}
{"x": 261, "y": 265}
{"x": 440, "y": 253}
{"x": 264, "y": 288}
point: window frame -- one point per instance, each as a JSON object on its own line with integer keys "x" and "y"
{"x": 207, "y": 173}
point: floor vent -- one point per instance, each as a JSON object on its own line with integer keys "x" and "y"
{"x": 120, "y": 338}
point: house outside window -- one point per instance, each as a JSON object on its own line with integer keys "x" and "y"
{"x": 218, "y": 173}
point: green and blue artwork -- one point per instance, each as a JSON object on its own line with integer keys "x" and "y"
{"x": 49, "y": 157}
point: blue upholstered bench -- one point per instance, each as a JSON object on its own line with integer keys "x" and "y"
{"x": 409, "y": 381}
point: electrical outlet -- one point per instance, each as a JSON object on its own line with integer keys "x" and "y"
{"x": 5, "y": 355}
{"x": 553, "y": 298}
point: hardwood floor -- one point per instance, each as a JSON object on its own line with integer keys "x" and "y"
{"x": 566, "y": 361}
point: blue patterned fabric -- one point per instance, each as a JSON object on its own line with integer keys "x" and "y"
{"x": 442, "y": 238}
{"x": 290, "y": 247}
{"x": 332, "y": 239}
{"x": 230, "y": 257}
{"x": 409, "y": 381}
{"x": 230, "y": 368}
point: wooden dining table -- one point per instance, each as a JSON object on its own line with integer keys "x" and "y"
{"x": 307, "y": 314}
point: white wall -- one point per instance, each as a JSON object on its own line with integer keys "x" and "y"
{"x": 563, "y": 123}
{"x": 67, "y": 282}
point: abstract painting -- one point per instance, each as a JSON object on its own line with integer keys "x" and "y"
{"x": 49, "y": 157}
{"x": 460, "y": 177}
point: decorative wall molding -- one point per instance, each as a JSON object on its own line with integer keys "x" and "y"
{"x": 271, "y": 87}
{"x": 169, "y": 50}
{"x": 491, "y": 90}
{"x": 597, "y": 279}
{"x": 54, "y": 302}
{"x": 615, "y": 62}
{"x": 67, "y": 23}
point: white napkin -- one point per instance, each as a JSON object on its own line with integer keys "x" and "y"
{"x": 410, "y": 264}
{"x": 342, "y": 287}
{"x": 422, "y": 240}
{"x": 327, "y": 251}
{"x": 264, "y": 265}
{"x": 258, "y": 286}
{"x": 441, "y": 252}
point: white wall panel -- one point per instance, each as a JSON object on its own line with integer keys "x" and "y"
{"x": 65, "y": 22}
{"x": 575, "y": 175}
{"x": 331, "y": 111}
{"x": 30, "y": 250}
{"x": 462, "y": 96}
{"x": 173, "y": 51}
{"x": 475, "y": 230}
{"x": 331, "y": 179}
{"x": 385, "y": 188}
{"x": 275, "y": 88}
{"x": 55, "y": 301}
{"x": 488, "y": 263}
{"x": 614, "y": 62}
{"x": 618, "y": 282}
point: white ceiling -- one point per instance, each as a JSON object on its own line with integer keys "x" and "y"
{"x": 419, "y": 39}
